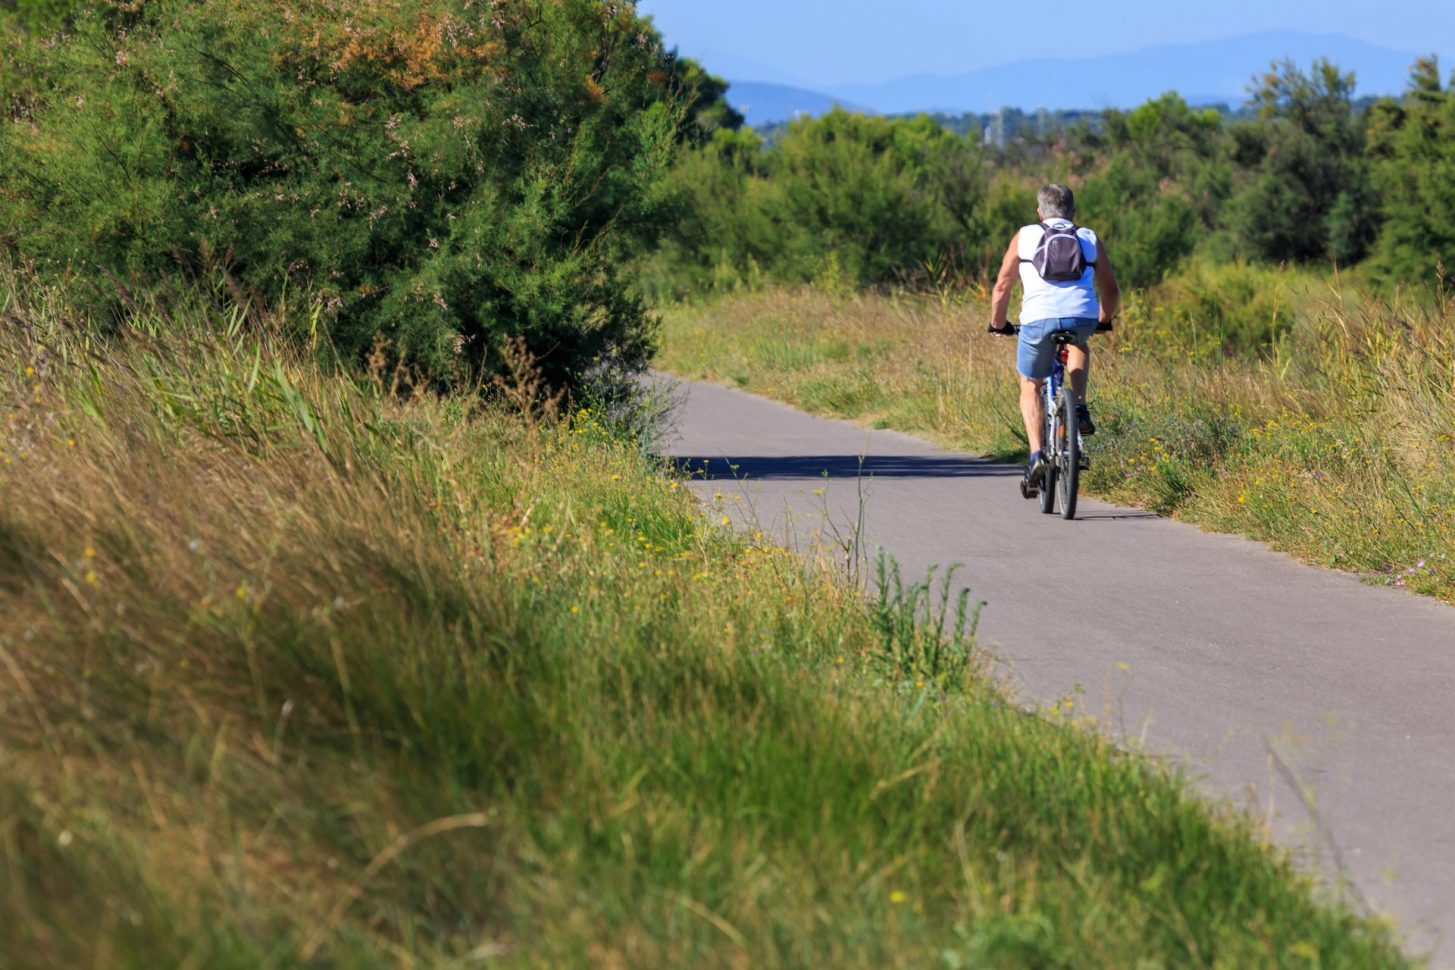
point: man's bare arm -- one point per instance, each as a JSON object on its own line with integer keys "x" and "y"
{"x": 1106, "y": 284}
{"x": 1004, "y": 283}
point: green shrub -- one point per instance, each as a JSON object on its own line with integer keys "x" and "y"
{"x": 861, "y": 200}
{"x": 437, "y": 174}
{"x": 1212, "y": 310}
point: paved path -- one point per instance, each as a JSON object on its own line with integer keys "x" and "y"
{"x": 1265, "y": 676}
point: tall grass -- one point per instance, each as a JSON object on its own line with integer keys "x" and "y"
{"x": 298, "y": 671}
{"x": 1298, "y": 409}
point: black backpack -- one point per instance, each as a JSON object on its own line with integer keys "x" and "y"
{"x": 1059, "y": 258}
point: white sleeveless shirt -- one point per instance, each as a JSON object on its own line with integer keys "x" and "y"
{"x": 1045, "y": 299}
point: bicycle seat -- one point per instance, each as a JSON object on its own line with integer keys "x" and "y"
{"x": 1062, "y": 338}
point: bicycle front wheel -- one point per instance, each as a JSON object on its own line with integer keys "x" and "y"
{"x": 1068, "y": 455}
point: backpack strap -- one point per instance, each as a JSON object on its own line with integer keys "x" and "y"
{"x": 1044, "y": 229}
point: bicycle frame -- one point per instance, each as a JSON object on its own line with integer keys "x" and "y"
{"x": 1051, "y": 386}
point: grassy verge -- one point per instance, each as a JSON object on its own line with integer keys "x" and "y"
{"x": 1300, "y": 412}
{"x": 297, "y": 672}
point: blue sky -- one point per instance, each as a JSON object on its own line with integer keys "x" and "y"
{"x": 816, "y": 43}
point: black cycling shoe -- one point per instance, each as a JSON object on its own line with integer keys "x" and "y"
{"x": 1035, "y": 475}
{"x": 1083, "y": 421}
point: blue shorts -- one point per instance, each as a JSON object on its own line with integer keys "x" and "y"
{"x": 1036, "y": 349}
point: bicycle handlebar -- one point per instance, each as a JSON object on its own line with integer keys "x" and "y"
{"x": 1011, "y": 329}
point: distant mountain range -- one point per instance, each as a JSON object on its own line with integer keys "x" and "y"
{"x": 766, "y": 104}
{"x": 1204, "y": 73}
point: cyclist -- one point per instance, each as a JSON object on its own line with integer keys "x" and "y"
{"x": 1051, "y": 305}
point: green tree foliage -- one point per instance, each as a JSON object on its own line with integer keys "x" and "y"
{"x": 1153, "y": 188}
{"x": 436, "y": 173}
{"x": 868, "y": 199}
{"x": 883, "y": 195}
{"x": 1413, "y": 143}
{"x": 708, "y": 110}
{"x": 38, "y": 15}
{"x": 1306, "y": 195}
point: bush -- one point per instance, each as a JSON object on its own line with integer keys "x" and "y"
{"x": 846, "y": 197}
{"x": 437, "y": 174}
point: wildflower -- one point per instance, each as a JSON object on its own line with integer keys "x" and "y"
{"x": 898, "y": 897}
{"x": 90, "y": 553}
{"x": 726, "y": 520}
{"x": 575, "y": 610}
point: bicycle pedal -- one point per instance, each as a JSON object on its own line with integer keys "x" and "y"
{"x": 1085, "y": 463}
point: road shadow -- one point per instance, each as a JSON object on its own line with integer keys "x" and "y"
{"x": 808, "y": 467}
{"x": 1118, "y": 516}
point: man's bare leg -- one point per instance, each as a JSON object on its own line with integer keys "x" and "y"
{"x": 1033, "y": 409}
{"x": 1078, "y": 369}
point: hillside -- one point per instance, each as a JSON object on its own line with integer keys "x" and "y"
{"x": 765, "y": 104}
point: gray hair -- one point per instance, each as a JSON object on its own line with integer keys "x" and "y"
{"x": 1056, "y": 202}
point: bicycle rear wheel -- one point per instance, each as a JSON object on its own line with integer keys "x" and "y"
{"x": 1068, "y": 455}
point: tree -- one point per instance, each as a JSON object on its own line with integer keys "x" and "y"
{"x": 708, "y": 111}
{"x": 36, "y": 15}
{"x": 439, "y": 174}
{"x": 873, "y": 200}
{"x": 1307, "y": 196}
{"x": 882, "y": 196}
{"x": 1153, "y": 191}
{"x": 1413, "y": 144}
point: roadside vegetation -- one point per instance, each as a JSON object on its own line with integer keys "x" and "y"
{"x": 305, "y": 670}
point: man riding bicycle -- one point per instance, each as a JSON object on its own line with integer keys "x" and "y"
{"x": 1061, "y": 267}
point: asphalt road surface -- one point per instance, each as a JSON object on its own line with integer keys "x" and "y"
{"x": 1322, "y": 704}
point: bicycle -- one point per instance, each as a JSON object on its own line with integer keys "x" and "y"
{"x": 1062, "y": 447}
